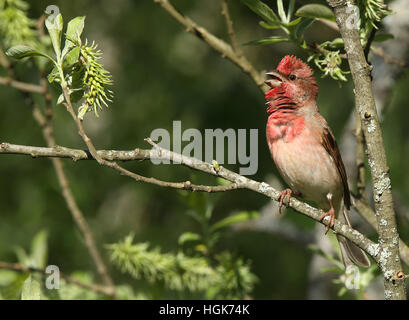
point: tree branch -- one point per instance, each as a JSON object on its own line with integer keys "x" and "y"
{"x": 368, "y": 214}
{"x": 109, "y": 155}
{"x": 216, "y": 43}
{"x": 365, "y": 104}
{"x": 390, "y": 60}
{"x": 45, "y": 123}
{"x": 238, "y": 181}
{"x": 230, "y": 29}
{"x": 187, "y": 185}
{"x": 375, "y": 49}
{"x": 23, "y": 86}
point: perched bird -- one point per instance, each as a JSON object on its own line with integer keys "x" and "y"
{"x": 304, "y": 149}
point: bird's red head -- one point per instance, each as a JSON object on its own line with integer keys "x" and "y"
{"x": 291, "y": 83}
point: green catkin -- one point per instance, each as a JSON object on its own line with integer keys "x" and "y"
{"x": 95, "y": 80}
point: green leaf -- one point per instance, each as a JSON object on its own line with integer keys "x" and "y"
{"x": 337, "y": 43}
{"x": 54, "y": 26}
{"x": 54, "y": 75}
{"x": 273, "y": 25}
{"x": 302, "y": 27}
{"x": 294, "y": 22}
{"x": 74, "y": 31}
{"x": 342, "y": 291}
{"x": 383, "y": 37}
{"x": 281, "y": 11}
{"x": 332, "y": 270}
{"x": 72, "y": 57}
{"x": 268, "y": 40}
{"x": 22, "y": 256}
{"x": 317, "y": 11}
{"x": 11, "y": 288}
{"x": 187, "y": 237}
{"x": 261, "y": 9}
{"x": 237, "y": 218}
{"x": 60, "y": 99}
{"x": 290, "y": 10}
{"x": 22, "y": 51}
{"x": 39, "y": 250}
{"x": 279, "y": 24}
{"x": 31, "y": 289}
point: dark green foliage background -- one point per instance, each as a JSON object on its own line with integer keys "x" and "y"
{"x": 162, "y": 74}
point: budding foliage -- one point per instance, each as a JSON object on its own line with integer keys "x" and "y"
{"x": 83, "y": 79}
{"x": 327, "y": 56}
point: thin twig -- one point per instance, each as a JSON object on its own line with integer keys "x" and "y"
{"x": 23, "y": 86}
{"x": 315, "y": 47}
{"x": 230, "y": 29}
{"x": 110, "y": 155}
{"x": 187, "y": 185}
{"x": 89, "y": 286}
{"x": 78, "y": 216}
{"x": 45, "y": 123}
{"x": 388, "y": 59}
{"x": 331, "y": 24}
{"x": 369, "y": 47}
{"x": 216, "y": 43}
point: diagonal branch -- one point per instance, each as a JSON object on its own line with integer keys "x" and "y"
{"x": 230, "y": 29}
{"x": 143, "y": 154}
{"x": 237, "y": 181}
{"x": 216, "y": 43}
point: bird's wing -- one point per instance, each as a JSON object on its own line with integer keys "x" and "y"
{"x": 329, "y": 143}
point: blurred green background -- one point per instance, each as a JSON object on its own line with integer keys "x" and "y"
{"x": 162, "y": 73}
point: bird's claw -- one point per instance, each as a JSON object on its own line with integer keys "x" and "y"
{"x": 282, "y": 195}
{"x": 331, "y": 222}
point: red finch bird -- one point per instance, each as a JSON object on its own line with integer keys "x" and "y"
{"x": 304, "y": 148}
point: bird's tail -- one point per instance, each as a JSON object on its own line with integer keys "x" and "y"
{"x": 351, "y": 253}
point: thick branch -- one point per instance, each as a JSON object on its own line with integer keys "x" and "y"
{"x": 365, "y": 104}
{"x": 367, "y": 213}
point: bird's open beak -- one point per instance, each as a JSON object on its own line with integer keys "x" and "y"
{"x": 275, "y": 81}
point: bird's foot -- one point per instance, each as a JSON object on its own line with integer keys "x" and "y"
{"x": 283, "y": 194}
{"x": 330, "y": 213}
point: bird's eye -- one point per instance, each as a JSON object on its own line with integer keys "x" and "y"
{"x": 292, "y": 77}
